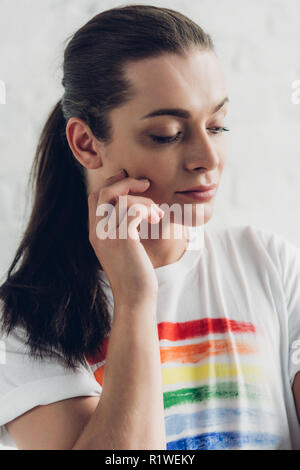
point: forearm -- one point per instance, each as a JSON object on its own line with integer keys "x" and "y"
{"x": 130, "y": 413}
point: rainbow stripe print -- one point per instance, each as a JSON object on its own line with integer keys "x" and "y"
{"x": 213, "y": 386}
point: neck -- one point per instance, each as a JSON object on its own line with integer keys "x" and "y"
{"x": 169, "y": 245}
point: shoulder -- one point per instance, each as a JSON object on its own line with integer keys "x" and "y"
{"x": 27, "y": 381}
{"x": 246, "y": 233}
{"x": 254, "y": 242}
{"x": 235, "y": 236}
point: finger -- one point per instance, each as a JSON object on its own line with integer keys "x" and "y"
{"x": 129, "y": 215}
{"x": 118, "y": 176}
{"x": 92, "y": 203}
{"x": 137, "y": 213}
{"x": 93, "y": 197}
{"x": 110, "y": 193}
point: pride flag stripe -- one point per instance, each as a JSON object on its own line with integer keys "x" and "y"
{"x": 99, "y": 375}
{"x": 193, "y": 353}
{"x": 221, "y": 390}
{"x": 99, "y": 356}
{"x": 180, "y": 422}
{"x": 223, "y": 440}
{"x": 195, "y": 328}
{"x": 173, "y": 375}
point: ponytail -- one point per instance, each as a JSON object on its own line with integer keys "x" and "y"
{"x": 56, "y": 291}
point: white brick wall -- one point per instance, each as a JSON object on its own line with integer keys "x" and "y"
{"x": 258, "y": 43}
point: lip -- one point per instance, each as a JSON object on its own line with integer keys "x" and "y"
{"x": 200, "y": 188}
{"x": 201, "y": 196}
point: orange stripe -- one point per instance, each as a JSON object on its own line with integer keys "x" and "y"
{"x": 196, "y": 352}
{"x": 99, "y": 374}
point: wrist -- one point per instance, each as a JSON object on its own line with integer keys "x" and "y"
{"x": 135, "y": 302}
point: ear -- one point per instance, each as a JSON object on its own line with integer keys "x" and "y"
{"x": 84, "y": 145}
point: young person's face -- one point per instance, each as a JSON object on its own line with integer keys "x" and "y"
{"x": 193, "y": 83}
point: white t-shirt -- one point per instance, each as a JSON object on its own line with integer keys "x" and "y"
{"x": 228, "y": 318}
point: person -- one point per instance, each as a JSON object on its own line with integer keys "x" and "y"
{"x": 166, "y": 342}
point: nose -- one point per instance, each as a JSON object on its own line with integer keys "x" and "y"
{"x": 202, "y": 153}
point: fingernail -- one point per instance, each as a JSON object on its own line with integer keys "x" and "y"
{"x": 144, "y": 180}
{"x": 160, "y": 211}
{"x": 155, "y": 216}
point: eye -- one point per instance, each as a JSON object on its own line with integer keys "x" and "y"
{"x": 218, "y": 130}
{"x": 167, "y": 139}
{"x": 174, "y": 138}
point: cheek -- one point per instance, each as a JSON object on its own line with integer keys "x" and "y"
{"x": 149, "y": 164}
{"x": 123, "y": 156}
{"x": 222, "y": 157}
{"x": 141, "y": 161}
{"x": 223, "y": 161}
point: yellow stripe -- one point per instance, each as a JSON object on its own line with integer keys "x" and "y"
{"x": 173, "y": 375}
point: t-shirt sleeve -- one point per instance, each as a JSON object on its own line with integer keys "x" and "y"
{"x": 26, "y": 382}
{"x": 287, "y": 257}
{"x": 291, "y": 282}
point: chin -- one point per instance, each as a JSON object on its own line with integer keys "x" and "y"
{"x": 194, "y": 214}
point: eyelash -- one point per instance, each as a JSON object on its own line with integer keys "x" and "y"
{"x": 171, "y": 139}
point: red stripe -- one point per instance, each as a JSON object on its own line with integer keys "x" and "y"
{"x": 194, "y": 328}
{"x": 98, "y": 357}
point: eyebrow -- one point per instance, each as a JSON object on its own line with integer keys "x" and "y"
{"x": 181, "y": 113}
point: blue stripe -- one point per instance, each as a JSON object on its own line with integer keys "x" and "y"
{"x": 224, "y": 440}
{"x": 177, "y": 423}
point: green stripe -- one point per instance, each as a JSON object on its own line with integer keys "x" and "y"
{"x": 206, "y": 392}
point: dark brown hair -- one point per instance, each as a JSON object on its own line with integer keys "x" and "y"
{"x": 56, "y": 293}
